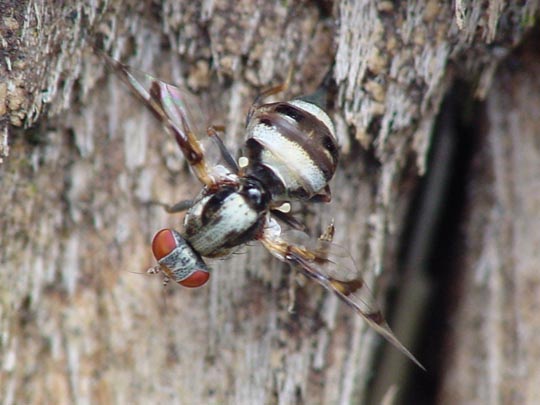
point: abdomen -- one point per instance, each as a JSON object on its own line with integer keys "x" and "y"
{"x": 292, "y": 148}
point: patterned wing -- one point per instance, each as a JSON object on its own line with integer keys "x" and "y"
{"x": 332, "y": 267}
{"x": 171, "y": 106}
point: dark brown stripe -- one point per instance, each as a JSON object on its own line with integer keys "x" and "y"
{"x": 214, "y": 204}
{"x": 311, "y": 124}
{"x": 303, "y": 136}
{"x": 376, "y": 317}
{"x": 347, "y": 287}
{"x": 290, "y": 111}
{"x": 294, "y": 133}
{"x": 233, "y": 239}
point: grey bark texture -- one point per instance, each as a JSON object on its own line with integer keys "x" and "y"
{"x": 494, "y": 346}
{"x": 81, "y": 159}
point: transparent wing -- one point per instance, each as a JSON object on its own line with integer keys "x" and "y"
{"x": 172, "y": 107}
{"x": 333, "y": 268}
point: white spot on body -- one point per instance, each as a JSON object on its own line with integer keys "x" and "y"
{"x": 287, "y": 159}
{"x": 243, "y": 162}
{"x": 285, "y": 207}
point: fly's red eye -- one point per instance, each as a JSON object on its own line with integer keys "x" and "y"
{"x": 163, "y": 243}
{"x": 178, "y": 260}
{"x": 195, "y": 279}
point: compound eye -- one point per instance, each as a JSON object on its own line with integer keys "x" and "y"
{"x": 163, "y": 243}
{"x": 178, "y": 260}
{"x": 196, "y": 279}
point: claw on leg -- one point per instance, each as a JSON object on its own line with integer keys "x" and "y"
{"x": 153, "y": 270}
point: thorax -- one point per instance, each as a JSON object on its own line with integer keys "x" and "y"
{"x": 221, "y": 221}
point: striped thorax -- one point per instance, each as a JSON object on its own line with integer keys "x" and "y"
{"x": 219, "y": 222}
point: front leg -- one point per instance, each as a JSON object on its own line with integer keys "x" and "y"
{"x": 180, "y": 206}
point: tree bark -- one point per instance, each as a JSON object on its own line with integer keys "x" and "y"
{"x": 493, "y": 349}
{"x": 78, "y": 326}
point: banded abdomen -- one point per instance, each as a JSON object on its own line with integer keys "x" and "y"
{"x": 292, "y": 149}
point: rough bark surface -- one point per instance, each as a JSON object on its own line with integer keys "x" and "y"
{"x": 76, "y": 325}
{"x": 493, "y": 342}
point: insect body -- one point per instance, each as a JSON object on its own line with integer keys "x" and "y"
{"x": 292, "y": 148}
{"x": 290, "y": 153}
